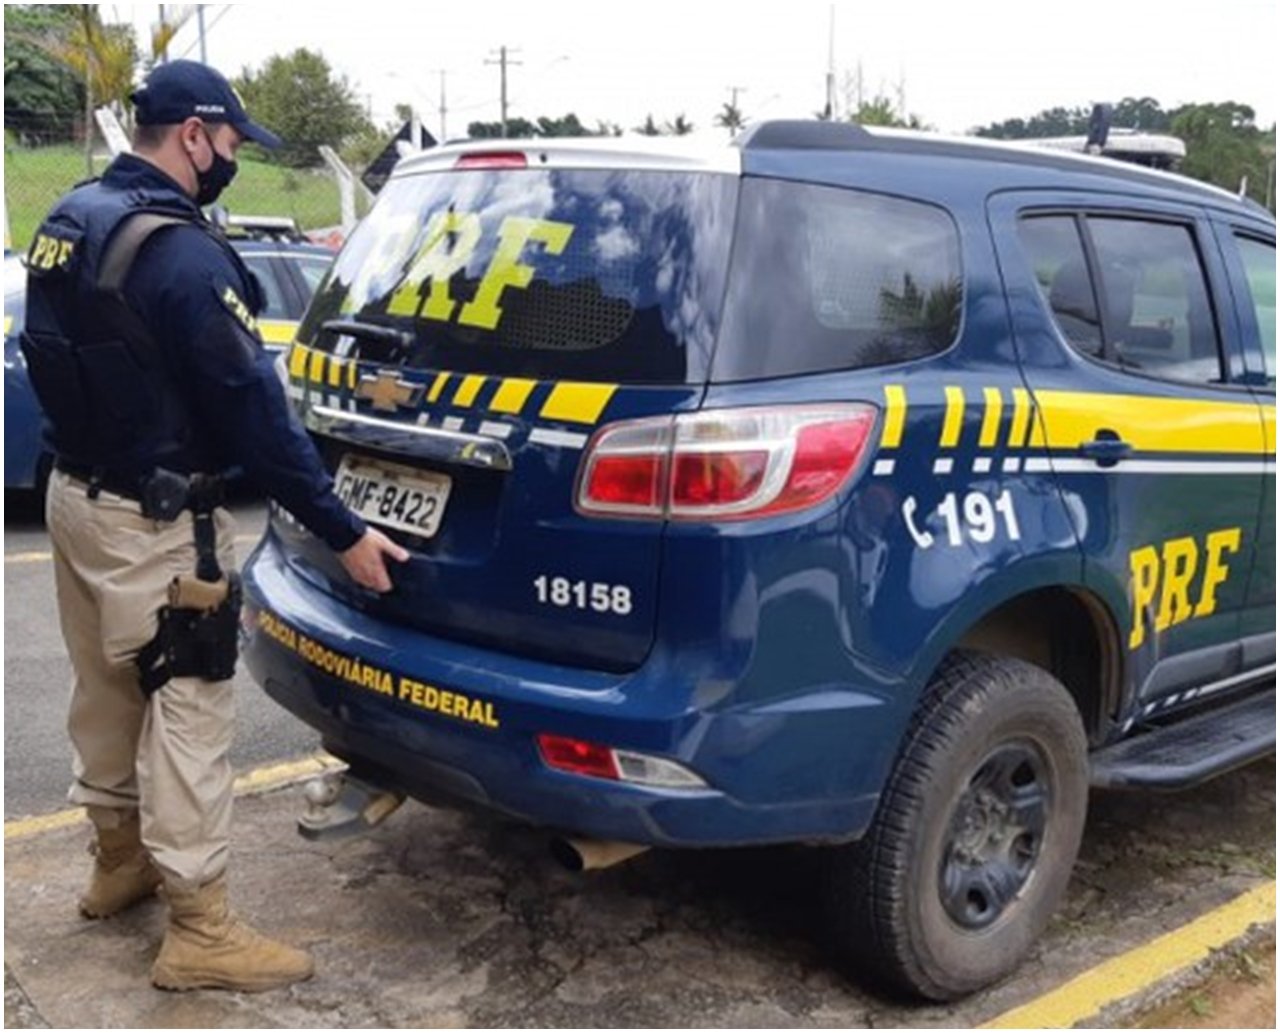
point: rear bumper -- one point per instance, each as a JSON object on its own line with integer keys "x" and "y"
{"x": 452, "y": 723}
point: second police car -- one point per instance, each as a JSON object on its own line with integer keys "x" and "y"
{"x": 839, "y": 487}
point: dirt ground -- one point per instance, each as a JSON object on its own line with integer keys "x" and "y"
{"x": 1240, "y": 993}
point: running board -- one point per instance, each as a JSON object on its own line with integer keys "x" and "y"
{"x": 1191, "y": 751}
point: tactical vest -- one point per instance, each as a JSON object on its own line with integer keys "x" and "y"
{"x": 108, "y": 390}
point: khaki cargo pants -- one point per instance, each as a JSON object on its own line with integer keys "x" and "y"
{"x": 166, "y": 756}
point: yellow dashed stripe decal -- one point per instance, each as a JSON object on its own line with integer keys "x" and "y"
{"x": 512, "y": 394}
{"x": 577, "y": 403}
{"x": 437, "y": 387}
{"x": 1269, "y": 429}
{"x": 895, "y": 415}
{"x": 467, "y": 390}
{"x": 954, "y": 421}
{"x": 8, "y": 325}
{"x": 1021, "y": 418}
{"x": 568, "y": 401}
{"x": 994, "y": 406}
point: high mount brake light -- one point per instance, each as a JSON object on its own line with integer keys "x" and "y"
{"x": 726, "y": 464}
{"x": 492, "y": 160}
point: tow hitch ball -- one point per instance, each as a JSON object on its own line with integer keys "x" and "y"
{"x": 340, "y": 804}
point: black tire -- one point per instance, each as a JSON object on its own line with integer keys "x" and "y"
{"x": 975, "y": 837}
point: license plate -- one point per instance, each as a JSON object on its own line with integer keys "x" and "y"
{"x": 393, "y": 495}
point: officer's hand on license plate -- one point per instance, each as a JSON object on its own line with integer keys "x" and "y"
{"x": 366, "y": 560}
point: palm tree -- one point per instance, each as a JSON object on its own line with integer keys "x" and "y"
{"x": 679, "y": 126}
{"x": 104, "y": 57}
{"x": 731, "y": 118}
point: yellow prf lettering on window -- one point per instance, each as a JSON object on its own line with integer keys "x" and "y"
{"x": 1180, "y": 559}
{"x": 1215, "y": 571}
{"x": 1144, "y": 579}
{"x": 451, "y": 239}
{"x": 505, "y": 269}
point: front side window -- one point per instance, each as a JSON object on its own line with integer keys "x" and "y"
{"x": 826, "y": 278}
{"x": 1259, "y": 259}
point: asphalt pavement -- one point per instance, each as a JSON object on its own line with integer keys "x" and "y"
{"x": 440, "y": 918}
{"x": 37, "y": 675}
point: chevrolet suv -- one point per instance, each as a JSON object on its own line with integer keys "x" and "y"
{"x": 868, "y": 490}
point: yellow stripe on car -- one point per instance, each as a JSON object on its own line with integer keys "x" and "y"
{"x": 315, "y": 372}
{"x": 437, "y": 387}
{"x": 895, "y": 415}
{"x": 1148, "y": 424}
{"x": 511, "y": 395}
{"x": 467, "y": 390}
{"x": 277, "y": 331}
{"x": 994, "y": 407}
{"x": 1021, "y": 418}
{"x": 298, "y": 361}
{"x": 953, "y": 423}
{"x": 577, "y": 403}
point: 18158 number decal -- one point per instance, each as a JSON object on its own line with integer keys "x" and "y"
{"x": 582, "y": 595}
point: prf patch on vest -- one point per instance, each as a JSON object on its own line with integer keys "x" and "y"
{"x": 54, "y": 249}
{"x": 237, "y": 307}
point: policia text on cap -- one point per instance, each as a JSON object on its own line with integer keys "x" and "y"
{"x": 153, "y": 379}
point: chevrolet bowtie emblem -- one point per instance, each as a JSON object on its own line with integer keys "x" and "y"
{"x": 387, "y": 392}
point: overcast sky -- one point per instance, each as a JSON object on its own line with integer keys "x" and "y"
{"x": 957, "y": 65}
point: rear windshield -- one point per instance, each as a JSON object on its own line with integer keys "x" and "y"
{"x": 827, "y": 278}
{"x": 585, "y": 275}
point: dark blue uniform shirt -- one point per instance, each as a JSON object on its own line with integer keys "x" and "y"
{"x": 196, "y": 297}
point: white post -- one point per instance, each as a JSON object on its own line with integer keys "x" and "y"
{"x": 346, "y": 186}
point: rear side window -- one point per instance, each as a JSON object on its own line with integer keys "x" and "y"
{"x": 1057, "y": 256}
{"x": 273, "y": 304}
{"x": 825, "y": 278}
{"x": 1157, "y": 304}
{"x": 1259, "y": 259}
{"x": 583, "y": 275}
{"x": 1128, "y": 291}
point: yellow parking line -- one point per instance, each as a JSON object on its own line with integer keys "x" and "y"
{"x": 260, "y": 780}
{"x": 1144, "y": 966}
{"x": 27, "y": 557}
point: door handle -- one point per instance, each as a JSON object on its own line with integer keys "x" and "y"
{"x": 1106, "y": 449}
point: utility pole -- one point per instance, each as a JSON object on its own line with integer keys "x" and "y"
{"x": 204, "y": 54}
{"x": 163, "y": 56}
{"x": 444, "y": 108}
{"x": 830, "y": 109}
{"x": 503, "y": 61}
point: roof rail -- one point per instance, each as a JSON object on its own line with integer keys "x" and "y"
{"x": 804, "y": 135}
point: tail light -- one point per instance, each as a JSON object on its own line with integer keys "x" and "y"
{"x": 727, "y": 464}
{"x": 577, "y": 757}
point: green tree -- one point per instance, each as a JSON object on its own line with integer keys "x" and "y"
{"x": 880, "y": 111}
{"x": 299, "y": 97}
{"x": 102, "y": 57}
{"x": 43, "y": 98}
{"x": 650, "y": 127}
{"x": 1225, "y": 147}
{"x": 517, "y": 129}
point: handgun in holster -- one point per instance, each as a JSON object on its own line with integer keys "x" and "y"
{"x": 197, "y": 628}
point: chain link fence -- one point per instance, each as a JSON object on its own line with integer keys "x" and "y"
{"x": 41, "y": 164}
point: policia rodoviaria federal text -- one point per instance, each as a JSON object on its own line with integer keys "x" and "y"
{"x": 141, "y": 345}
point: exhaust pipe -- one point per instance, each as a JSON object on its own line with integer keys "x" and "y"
{"x": 581, "y": 855}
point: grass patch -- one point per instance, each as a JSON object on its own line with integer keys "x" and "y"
{"x": 35, "y": 177}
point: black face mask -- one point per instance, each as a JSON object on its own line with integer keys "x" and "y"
{"x": 216, "y": 178}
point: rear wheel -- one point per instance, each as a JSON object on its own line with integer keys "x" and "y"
{"x": 975, "y": 836}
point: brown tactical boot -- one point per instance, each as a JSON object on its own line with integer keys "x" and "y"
{"x": 123, "y": 873}
{"x": 207, "y": 946}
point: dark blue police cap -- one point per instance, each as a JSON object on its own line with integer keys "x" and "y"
{"x": 177, "y": 90}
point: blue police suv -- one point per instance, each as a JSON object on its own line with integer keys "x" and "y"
{"x": 862, "y": 489}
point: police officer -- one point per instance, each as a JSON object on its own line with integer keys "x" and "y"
{"x": 142, "y": 346}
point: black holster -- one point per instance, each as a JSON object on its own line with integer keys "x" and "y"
{"x": 197, "y": 632}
